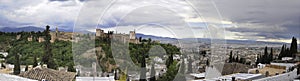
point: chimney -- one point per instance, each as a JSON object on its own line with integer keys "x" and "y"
{"x": 30, "y": 67}
{"x": 44, "y": 65}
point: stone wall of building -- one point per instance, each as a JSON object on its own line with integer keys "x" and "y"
{"x": 131, "y": 37}
{"x": 281, "y": 77}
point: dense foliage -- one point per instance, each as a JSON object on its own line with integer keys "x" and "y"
{"x": 60, "y": 53}
{"x": 237, "y": 59}
{"x": 32, "y": 52}
{"x": 139, "y": 54}
{"x": 266, "y": 58}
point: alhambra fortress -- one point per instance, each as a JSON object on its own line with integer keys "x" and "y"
{"x": 131, "y": 37}
{"x": 69, "y": 36}
{"x": 56, "y": 35}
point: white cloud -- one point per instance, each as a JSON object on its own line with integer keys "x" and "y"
{"x": 255, "y": 19}
{"x": 44, "y": 12}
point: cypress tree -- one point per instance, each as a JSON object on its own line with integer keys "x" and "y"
{"x": 116, "y": 77}
{"x": 261, "y": 60}
{"x": 207, "y": 62}
{"x": 242, "y": 60}
{"x": 271, "y": 55}
{"x": 143, "y": 68}
{"x": 152, "y": 74}
{"x": 281, "y": 54}
{"x": 293, "y": 48}
{"x": 47, "y": 58}
{"x": 285, "y": 51}
{"x": 35, "y": 63}
{"x": 169, "y": 60}
{"x": 257, "y": 60}
{"x": 230, "y": 57}
{"x": 26, "y": 68}
{"x": 265, "y": 56}
{"x": 288, "y": 52}
{"x": 237, "y": 58}
{"x": 190, "y": 67}
{"x": 17, "y": 64}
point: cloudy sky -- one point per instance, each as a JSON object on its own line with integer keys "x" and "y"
{"x": 262, "y": 20}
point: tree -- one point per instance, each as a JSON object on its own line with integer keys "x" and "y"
{"x": 149, "y": 40}
{"x": 17, "y": 64}
{"x": 257, "y": 59}
{"x": 152, "y": 74}
{"x": 293, "y": 48}
{"x": 47, "y": 58}
{"x": 281, "y": 54}
{"x": 237, "y": 58}
{"x": 2, "y": 56}
{"x": 271, "y": 55}
{"x": 265, "y": 56}
{"x": 26, "y": 68}
{"x": 71, "y": 67}
{"x": 207, "y": 62}
{"x": 143, "y": 68}
{"x": 169, "y": 60}
{"x": 171, "y": 73}
{"x": 288, "y": 52}
{"x": 140, "y": 39}
{"x": 242, "y": 60}
{"x": 35, "y": 63}
{"x": 230, "y": 57}
{"x": 190, "y": 67}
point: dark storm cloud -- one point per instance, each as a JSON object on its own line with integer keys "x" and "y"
{"x": 267, "y": 18}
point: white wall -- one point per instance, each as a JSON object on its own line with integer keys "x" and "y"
{"x": 282, "y": 77}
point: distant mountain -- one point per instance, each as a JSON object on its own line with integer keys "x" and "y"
{"x": 25, "y": 29}
{"x": 162, "y": 39}
{"x": 207, "y": 40}
{"x": 201, "y": 40}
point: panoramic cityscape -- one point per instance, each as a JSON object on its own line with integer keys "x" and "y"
{"x": 149, "y": 40}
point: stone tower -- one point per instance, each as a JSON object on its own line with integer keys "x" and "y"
{"x": 132, "y": 35}
{"x": 54, "y": 35}
{"x": 99, "y": 32}
{"x": 56, "y": 32}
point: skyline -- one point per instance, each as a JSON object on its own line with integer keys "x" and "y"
{"x": 273, "y": 21}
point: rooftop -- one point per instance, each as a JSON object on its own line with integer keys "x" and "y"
{"x": 272, "y": 69}
{"x": 40, "y": 73}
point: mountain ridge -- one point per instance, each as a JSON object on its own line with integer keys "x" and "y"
{"x": 162, "y": 39}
